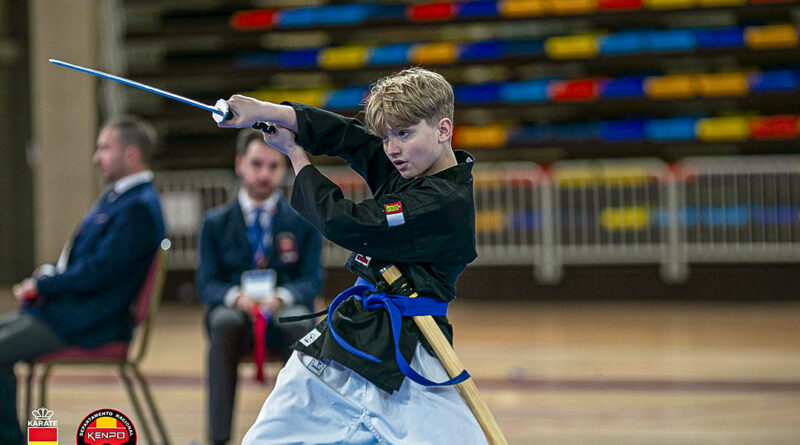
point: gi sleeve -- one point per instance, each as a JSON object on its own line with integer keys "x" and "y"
{"x": 321, "y": 132}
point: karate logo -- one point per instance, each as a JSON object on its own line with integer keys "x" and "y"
{"x": 394, "y": 213}
{"x": 42, "y": 430}
{"x": 106, "y": 427}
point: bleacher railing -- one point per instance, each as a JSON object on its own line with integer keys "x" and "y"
{"x": 600, "y": 212}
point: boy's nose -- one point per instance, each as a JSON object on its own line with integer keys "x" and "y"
{"x": 392, "y": 148}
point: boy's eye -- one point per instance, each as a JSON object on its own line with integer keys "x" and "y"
{"x": 402, "y": 133}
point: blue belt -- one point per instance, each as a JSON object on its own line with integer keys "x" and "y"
{"x": 397, "y": 306}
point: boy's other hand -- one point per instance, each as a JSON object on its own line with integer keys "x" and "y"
{"x": 282, "y": 140}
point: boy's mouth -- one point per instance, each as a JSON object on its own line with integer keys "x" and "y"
{"x": 400, "y": 165}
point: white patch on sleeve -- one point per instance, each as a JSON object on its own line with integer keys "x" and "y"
{"x": 310, "y": 337}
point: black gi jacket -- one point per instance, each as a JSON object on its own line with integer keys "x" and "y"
{"x": 431, "y": 247}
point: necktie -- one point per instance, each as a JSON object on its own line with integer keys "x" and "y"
{"x": 256, "y": 235}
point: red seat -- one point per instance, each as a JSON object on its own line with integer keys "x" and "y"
{"x": 109, "y": 352}
{"x": 126, "y": 356}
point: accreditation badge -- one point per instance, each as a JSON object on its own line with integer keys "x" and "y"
{"x": 258, "y": 284}
{"x": 287, "y": 248}
{"x": 394, "y": 213}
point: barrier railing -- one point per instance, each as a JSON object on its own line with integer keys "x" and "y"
{"x": 740, "y": 210}
{"x": 636, "y": 211}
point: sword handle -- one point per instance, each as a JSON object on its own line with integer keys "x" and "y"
{"x": 226, "y": 113}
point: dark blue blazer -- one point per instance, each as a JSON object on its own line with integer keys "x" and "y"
{"x": 89, "y": 304}
{"x": 225, "y": 252}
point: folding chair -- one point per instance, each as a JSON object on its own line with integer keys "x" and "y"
{"x": 126, "y": 356}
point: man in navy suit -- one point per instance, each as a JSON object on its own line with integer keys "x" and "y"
{"x": 85, "y": 299}
{"x": 256, "y": 235}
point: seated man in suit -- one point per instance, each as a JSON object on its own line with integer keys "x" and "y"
{"x": 85, "y": 299}
{"x": 259, "y": 260}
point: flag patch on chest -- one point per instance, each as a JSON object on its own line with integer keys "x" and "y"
{"x": 394, "y": 213}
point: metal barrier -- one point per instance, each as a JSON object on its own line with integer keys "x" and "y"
{"x": 185, "y": 196}
{"x": 740, "y": 209}
{"x": 642, "y": 211}
{"x": 608, "y": 212}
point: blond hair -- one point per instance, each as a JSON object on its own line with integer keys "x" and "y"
{"x": 401, "y": 100}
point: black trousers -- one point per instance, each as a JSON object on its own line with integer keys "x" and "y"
{"x": 230, "y": 338}
{"x": 22, "y": 337}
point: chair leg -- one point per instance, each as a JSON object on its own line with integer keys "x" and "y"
{"x": 43, "y": 385}
{"x": 31, "y": 368}
{"x": 148, "y": 396}
{"x": 136, "y": 406}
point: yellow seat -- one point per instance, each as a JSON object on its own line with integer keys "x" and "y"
{"x": 434, "y": 53}
{"x": 723, "y": 85}
{"x": 481, "y": 136}
{"x": 670, "y": 4}
{"x": 676, "y": 86}
{"x": 571, "y": 7}
{"x": 720, "y": 3}
{"x": 522, "y": 8}
{"x": 771, "y": 37}
{"x": 346, "y": 57}
{"x": 723, "y": 129}
{"x": 625, "y": 218}
{"x": 572, "y": 47}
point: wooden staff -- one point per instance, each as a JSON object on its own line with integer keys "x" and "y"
{"x": 453, "y": 366}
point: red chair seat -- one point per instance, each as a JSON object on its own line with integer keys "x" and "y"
{"x": 112, "y": 352}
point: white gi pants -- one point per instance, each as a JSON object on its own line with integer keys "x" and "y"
{"x": 326, "y": 403}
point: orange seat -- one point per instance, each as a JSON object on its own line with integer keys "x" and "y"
{"x": 126, "y": 356}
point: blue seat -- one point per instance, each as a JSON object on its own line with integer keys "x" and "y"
{"x": 471, "y": 94}
{"x": 487, "y": 50}
{"x": 720, "y": 38}
{"x": 478, "y": 9}
{"x": 777, "y": 215}
{"x": 672, "y": 40}
{"x": 624, "y": 130}
{"x": 784, "y": 80}
{"x": 344, "y": 14}
{"x": 526, "y": 219}
{"x": 673, "y": 129}
{"x": 346, "y": 99}
{"x": 623, "y": 87}
{"x": 301, "y": 58}
{"x": 397, "y": 54}
{"x": 299, "y": 18}
{"x": 630, "y": 42}
{"x": 528, "y": 91}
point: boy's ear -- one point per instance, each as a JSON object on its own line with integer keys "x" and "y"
{"x": 445, "y": 127}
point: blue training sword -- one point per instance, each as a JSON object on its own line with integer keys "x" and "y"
{"x": 220, "y": 111}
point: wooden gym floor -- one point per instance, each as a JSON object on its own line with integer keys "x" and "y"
{"x": 561, "y": 373}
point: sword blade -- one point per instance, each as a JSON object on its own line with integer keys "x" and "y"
{"x": 139, "y": 85}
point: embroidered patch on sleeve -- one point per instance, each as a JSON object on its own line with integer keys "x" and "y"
{"x": 394, "y": 213}
{"x": 363, "y": 259}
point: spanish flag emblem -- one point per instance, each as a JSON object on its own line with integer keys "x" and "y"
{"x": 42, "y": 436}
{"x": 394, "y": 213}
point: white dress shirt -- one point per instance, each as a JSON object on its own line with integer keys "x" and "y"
{"x": 269, "y": 206}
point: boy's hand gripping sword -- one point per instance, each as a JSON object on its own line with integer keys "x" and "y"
{"x": 220, "y": 111}
{"x": 453, "y": 366}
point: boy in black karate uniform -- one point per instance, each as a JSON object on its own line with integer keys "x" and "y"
{"x": 352, "y": 389}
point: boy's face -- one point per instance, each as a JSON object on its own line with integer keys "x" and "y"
{"x": 418, "y": 150}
